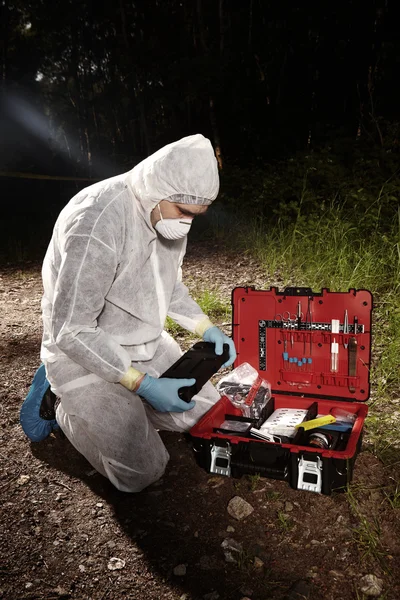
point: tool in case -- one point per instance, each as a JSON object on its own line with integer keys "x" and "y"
{"x": 314, "y": 349}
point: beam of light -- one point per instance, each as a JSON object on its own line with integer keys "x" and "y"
{"x": 26, "y": 115}
{"x": 33, "y": 121}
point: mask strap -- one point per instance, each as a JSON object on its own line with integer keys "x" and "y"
{"x": 159, "y": 210}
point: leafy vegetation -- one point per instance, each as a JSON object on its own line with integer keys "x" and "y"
{"x": 367, "y": 534}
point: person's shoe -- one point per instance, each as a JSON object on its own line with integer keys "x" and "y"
{"x": 37, "y": 415}
{"x": 47, "y": 409}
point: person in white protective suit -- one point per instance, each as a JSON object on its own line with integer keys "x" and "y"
{"x": 111, "y": 275}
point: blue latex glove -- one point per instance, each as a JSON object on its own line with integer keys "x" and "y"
{"x": 217, "y": 337}
{"x": 162, "y": 393}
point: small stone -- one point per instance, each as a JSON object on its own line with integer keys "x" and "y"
{"x": 371, "y": 585}
{"x": 23, "y": 479}
{"x": 29, "y": 585}
{"x": 111, "y": 544}
{"x": 258, "y": 563}
{"x": 315, "y": 542}
{"x": 60, "y": 591}
{"x": 180, "y": 570}
{"x": 196, "y": 534}
{"x": 344, "y": 555}
{"x": 229, "y": 558}
{"x": 288, "y": 506}
{"x": 59, "y": 498}
{"x": 230, "y": 529}
{"x": 246, "y": 591}
{"x": 82, "y": 568}
{"x": 213, "y": 480}
{"x": 231, "y": 544}
{"x": 340, "y": 519}
{"x": 99, "y": 505}
{"x": 238, "y": 508}
{"x": 115, "y": 563}
{"x": 336, "y": 574}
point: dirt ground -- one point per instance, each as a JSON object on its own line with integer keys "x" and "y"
{"x": 67, "y": 533}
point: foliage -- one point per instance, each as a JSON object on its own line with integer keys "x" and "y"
{"x": 367, "y": 534}
{"x": 285, "y": 523}
{"x": 93, "y": 88}
{"x": 211, "y": 304}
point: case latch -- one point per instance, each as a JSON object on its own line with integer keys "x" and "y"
{"x": 310, "y": 474}
{"x": 221, "y": 459}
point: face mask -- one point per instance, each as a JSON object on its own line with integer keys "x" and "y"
{"x": 173, "y": 229}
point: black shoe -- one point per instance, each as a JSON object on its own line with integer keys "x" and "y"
{"x": 47, "y": 409}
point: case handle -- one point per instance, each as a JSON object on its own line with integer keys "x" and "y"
{"x": 298, "y": 291}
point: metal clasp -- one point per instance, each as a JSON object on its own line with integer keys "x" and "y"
{"x": 221, "y": 459}
{"x": 310, "y": 475}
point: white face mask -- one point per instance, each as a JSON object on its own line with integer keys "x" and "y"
{"x": 173, "y": 229}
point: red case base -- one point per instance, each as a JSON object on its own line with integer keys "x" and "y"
{"x": 259, "y": 337}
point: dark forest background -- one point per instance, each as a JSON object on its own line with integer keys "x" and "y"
{"x": 284, "y": 88}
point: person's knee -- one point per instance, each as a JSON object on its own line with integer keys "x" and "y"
{"x": 128, "y": 479}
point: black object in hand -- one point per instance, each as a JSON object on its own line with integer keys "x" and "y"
{"x": 201, "y": 363}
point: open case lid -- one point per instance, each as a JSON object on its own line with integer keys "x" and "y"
{"x": 306, "y": 343}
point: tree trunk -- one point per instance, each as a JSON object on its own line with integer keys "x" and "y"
{"x": 217, "y": 141}
{"x": 212, "y": 114}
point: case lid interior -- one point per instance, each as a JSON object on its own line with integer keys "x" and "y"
{"x": 306, "y": 343}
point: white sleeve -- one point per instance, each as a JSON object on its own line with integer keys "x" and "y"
{"x": 86, "y": 274}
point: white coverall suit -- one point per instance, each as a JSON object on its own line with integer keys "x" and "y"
{"x": 109, "y": 282}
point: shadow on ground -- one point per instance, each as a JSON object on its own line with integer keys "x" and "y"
{"x": 174, "y": 523}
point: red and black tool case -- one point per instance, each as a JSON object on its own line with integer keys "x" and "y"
{"x": 315, "y": 350}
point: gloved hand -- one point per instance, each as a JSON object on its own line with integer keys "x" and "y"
{"x": 162, "y": 393}
{"x": 217, "y": 337}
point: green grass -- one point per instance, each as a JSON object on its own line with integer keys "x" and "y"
{"x": 174, "y": 329}
{"x": 245, "y": 561}
{"x": 284, "y": 522}
{"x": 271, "y": 495}
{"x": 367, "y": 533}
{"x": 254, "y": 480}
{"x": 393, "y": 496}
{"x": 218, "y": 311}
{"x": 213, "y": 306}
